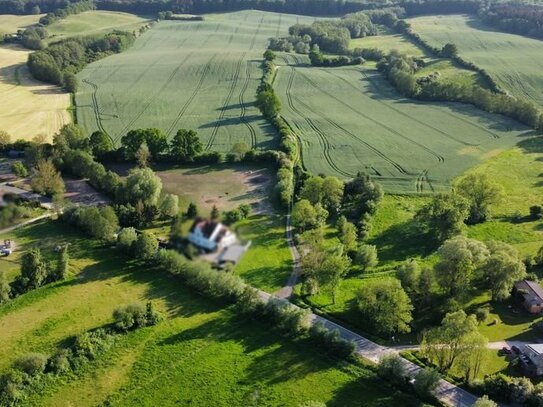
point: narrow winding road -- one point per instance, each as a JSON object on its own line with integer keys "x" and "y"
{"x": 446, "y": 392}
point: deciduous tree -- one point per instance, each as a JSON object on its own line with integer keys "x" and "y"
{"x": 185, "y": 145}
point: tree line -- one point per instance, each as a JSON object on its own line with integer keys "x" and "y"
{"x": 517, "y": 18}
{"x": 58, "y": 63}
{"x": 69, "y": 9}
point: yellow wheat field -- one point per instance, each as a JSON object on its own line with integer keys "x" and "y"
{"x": 28, "y": 107}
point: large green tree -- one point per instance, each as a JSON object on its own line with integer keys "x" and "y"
{"x": 480, "y": 193}
{"x": 443, "y": 217}
{"x": 502, "y": 269}
{"x": 70, "y": 136}
{"x": 142, "y": 185}
{"x": 156, "y": 141}
{"x": 386, "y": 306}
{"x": 459, "y": 258}
{"x": 46, "y": 179}
{"x": 185, "y": 145}
{"x": 100, "y": 143}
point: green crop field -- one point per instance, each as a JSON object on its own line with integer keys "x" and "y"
{"x": 201, "y": 75}
{"x": 93, "y": 22}
{"x": 350, "y": 119}
{"x": 201, "y": 355}
{"x": 515, "y": 62}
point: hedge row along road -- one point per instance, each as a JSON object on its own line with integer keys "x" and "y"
{"x": 201, "y": 75}
{"x": 350, "y": 119}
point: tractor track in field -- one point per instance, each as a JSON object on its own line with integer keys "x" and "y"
{"x": 95, "y": 105}
{"x": 421, "y": 180}
{"x": 243, "y": 112}
{"x": 279, "y": 26}
{"x": 378, "y": 152}
{"x": 153, "y": 97}
{"x": 228, "y": 98}
{"x": 439, "y": 157}
{"x": 193, "y": 95}
{"x": 226, "y": 102}
{"x": 376, "y": 88}
{"x": 357, "y": 138}
{"x": 253, "y": 41}
{"x": 469, "y": 122}
{"x": 322, "y": 137}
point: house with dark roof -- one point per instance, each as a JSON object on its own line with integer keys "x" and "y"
{"x": 210, "y": 235}
{"x": 532, "y": 294}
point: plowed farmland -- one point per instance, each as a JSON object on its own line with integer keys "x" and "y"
{"x": 514, "y": 61}
{"x": 201, "y": 75}
{"x": 350, "y": 119}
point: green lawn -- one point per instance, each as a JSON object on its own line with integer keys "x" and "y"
{"x": 201, "y": 355}
{"x": 268, "y": 263}
{"x": 94, "y": 22}
{"x": 388, "y": 41}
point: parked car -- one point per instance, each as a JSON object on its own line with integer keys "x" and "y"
{"x": 5, "y": 252}
{"x": 516, "y": 350}
{"x": 505, "y": 350}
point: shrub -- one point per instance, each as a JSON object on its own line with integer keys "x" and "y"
{"x": 60, "y": 361}
{"x": 481, "y": 314}
{"x": 31, "y": 363}
{"x": 126, "y": 239}
{"x": 134, "y": 316}
{"x": 19, "y": 169}
{"x": 146, "y": 246}
{"x": 426, "y": 381}
{"x": 393, "y": 368}
{"x": 536, "y": 212}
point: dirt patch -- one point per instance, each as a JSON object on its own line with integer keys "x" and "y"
{"x": 80, "y": 192}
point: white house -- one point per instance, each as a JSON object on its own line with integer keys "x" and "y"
{"x": 210, "y": 235}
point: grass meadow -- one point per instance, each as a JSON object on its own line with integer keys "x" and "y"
{"x": 92, "y": 23}
{"x": 200, "y": 75}
{"x": 9, "y": 23}
{"x": 514, "y": 61}
{"x": 28, "y": 107}
{"x": 201, "y": 355}
{"x": 350, "y": 119}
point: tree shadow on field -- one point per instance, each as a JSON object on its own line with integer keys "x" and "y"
{"x": 229, "y": 121}
{"x": 402, "y": 241}
{"x": 236, "y": 106}
{"x": 533, "y": 145}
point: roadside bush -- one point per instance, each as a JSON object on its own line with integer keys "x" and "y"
{"x": 290, "y": 320}
{"x": 98, "y": 223}
{"x": 331, "y": 341}
{"x": 426, "y": 381}
{"x": 392, "y": 367}
{"x": 31, "y": 363}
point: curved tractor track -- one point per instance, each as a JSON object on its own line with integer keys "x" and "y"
{"x": 95, "y": 106}
{"x": 438, "y": 156}
{"x": 241, "y": 101}
{"x": 323, "y": 141}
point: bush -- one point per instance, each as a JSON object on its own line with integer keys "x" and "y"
{"x": 392, "y": 367}
{"x": 60, "y": 361}
{"x": 126, "y": 240}
{"x": 536, "y": 212}
{"x": 19, "y": 169}
{"x": 31, "y": 363}
{"x": 426, "y": 381}
{"x": 481, "y": 314}
{"x": 331, "y": 340}
{"x": 146, "y": 246}
{"x": 132, "y": 316}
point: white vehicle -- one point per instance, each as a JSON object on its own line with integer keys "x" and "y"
{"x": 5, "y": 252}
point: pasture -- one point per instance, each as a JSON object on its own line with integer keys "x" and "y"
{"x": 201, "y": 355}
{"x": 28, "y": 107}
{"x": 515, "y": 62}
{"x": 201, "y": 75}
{"x": 93, "y": 22}
{"x": 350, "y": 119}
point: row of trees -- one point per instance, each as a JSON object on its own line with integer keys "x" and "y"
{"x": 515, "y": 17}
{"x": 400, "y": 70}
{"x": 58, "y": 63}
{"x": 29, "y": 371}
{"x": 69, "y": 9}
{"x": 318, "y": 59}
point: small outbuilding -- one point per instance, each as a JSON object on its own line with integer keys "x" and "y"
{"x": 532, "y": 294}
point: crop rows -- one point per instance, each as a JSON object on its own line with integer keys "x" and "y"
{"x": 199, "y": 75}
{"x": 350, "y": 120}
